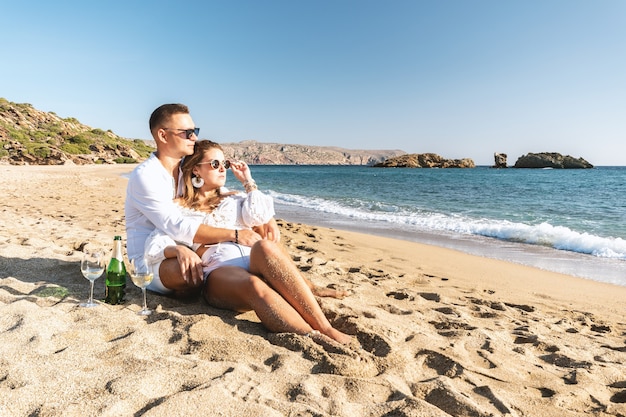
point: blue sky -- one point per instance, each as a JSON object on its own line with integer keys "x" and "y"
{"x": 459, "y": 78}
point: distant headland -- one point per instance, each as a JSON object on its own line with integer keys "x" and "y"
{"x": 33, "y": 137}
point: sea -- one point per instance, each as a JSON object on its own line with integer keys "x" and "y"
{"x": 568, "y": 221}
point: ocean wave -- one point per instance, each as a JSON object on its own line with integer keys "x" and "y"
{"x": 544, "y": 234}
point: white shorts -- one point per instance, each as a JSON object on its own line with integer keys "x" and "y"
{"x": 221, "y": 254}
{"x": 156, "y": 285}
{"x": 225, "y": 254}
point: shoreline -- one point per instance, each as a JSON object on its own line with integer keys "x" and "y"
{"x": 442, "y": 332}
{"x": 579, "y": 265}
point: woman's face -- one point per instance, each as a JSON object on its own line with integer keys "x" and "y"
{"x": 213, "y": 177}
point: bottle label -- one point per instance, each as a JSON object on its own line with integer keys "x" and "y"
{"x": 114, "y": 294}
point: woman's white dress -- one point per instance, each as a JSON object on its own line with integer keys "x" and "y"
{"x": 237, "y": 211}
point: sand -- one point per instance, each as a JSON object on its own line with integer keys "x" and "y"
{"x": 442, "y": 333}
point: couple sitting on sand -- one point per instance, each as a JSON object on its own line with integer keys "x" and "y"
{"x": 197, "y": 235}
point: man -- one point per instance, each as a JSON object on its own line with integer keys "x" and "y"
{"x": 152, "y": 186}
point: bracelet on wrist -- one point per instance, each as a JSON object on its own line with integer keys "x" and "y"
{"x": 250, "y": 185}
{"x": 236, "y": 236}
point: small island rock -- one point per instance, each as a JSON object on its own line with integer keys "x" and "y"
{"x": 499, "y": 160}
{"x": 424, "y": 160}
{"x": 551, "y": 160}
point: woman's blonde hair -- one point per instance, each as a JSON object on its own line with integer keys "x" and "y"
{"x": 190, "y": 197}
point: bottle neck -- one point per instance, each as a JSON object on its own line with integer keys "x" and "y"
{"x": 117, "y": 250}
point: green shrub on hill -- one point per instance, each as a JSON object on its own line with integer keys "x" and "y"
{"x": 39, "y": 150}
{"x": 125, "y": 160}
{"x": 142, "y": 148}
{"x": 78, "y": 144}
{"x": 39, "y": 133}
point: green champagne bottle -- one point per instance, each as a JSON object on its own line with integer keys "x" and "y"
{"x": 116, "y": 275}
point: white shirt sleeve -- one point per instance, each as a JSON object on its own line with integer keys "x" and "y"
{"x": 257, "y": 209}
{"x": 155, "y": 246}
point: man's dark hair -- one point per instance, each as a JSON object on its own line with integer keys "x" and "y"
{"x": 164, "y": 112}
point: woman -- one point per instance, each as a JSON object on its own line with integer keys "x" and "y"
{"x": 263, "y": 277}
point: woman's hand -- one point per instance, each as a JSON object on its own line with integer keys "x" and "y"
{"x": 241, "y": 171}
{"x": 269, "y": 231}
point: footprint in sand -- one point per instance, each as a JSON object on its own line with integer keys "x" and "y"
{"x": 620, "y": 396}
{"x": 571, "y": 378}
{"x": 523, "y": 307}
{"x": 395, "y": 310}
{"x": 328, "y": 356}
{"x": 523, "y": 336}
{"x": 430, "y": 296}
{"x": 451, "y": 328}
{"x": 563, "y": 361}
{"x": 448, "y": 311}
{"x": 441, "y": 364}
{"x": 453, "y": 402}
{"x": 246, "y": 390}
{"x": 400, "y": 295}
{"x": 306, "y": 248}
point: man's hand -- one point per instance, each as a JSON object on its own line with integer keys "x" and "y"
{"x": 190, "y": 265}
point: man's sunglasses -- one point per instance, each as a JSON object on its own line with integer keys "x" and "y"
{"x": 215, "y": 164}
{"x": 188, "y": 132}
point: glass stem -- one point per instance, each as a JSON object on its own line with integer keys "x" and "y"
{"x": 145, "y": 305}
{"x": 91, "y": 294}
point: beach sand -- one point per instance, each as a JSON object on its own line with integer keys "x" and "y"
{"x": 442, "y": 333}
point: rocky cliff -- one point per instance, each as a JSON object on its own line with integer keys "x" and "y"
{"x": 31, "y": 136}
{"x": 425, "y": 160}
{"x": 255, "y": 152}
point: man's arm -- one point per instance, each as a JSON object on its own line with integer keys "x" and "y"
{"x": 209, "y": 235}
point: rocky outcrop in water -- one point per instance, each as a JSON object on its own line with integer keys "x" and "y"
{"x": 499, "y": 160}
{"x": 551, "y": 160}
{"x": 425, "y": 160}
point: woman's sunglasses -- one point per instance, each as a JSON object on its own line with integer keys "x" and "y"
{"x": 215, "y": 164}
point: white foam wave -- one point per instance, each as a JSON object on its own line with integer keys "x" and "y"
{"x": 545, "y": 234}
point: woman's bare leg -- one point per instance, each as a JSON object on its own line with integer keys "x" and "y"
{"x": 271, "y": 261}
{"x": 236, "y": 289}
{"x": 318, "y": 291}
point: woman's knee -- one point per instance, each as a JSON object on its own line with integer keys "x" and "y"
{"x": 267, "y": 249}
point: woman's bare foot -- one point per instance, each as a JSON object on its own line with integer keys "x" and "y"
{"x": 338, "y": 336}
{"x": 330, "y": 292}
{"x": 333, "y": 346}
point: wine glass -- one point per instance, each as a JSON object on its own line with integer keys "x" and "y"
{"x": 142, "y": 276}
{"x": 92, "y": 266}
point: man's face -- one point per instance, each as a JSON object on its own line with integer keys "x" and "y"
{"x": 178, "y": 134}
